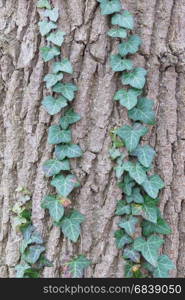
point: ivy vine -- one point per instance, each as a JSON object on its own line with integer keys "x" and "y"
{"x": 142, "y": 224}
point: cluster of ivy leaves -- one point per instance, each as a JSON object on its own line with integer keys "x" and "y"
{"x": 139, "y": 206}
{"x": 60, "y": 135}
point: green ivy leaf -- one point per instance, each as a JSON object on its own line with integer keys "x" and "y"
{"x": 135, "y": 78}
{"x": 45, "y": 27}
{"x": 145, "y": 155}
{"x": 129, "y": 225}
{"x": 66, "y": 89}
{"x": 52, "y": 14}
{"x": 122, "y": 239}
{"x": 63, "y": 66}
{"x": 131, "y": 135}
{"x": 152, "y": 185}
{"x": 65, "y": 185}
{"x": 161, "y": 227}
{"x": 54, "y": 106}
{"x": 70, "y": 151}
{"x": 69, "y": 118}
{"x": 164, "y": 265}
{"x": 77, "y": 216}
{"x": 143, "y": 111}
{"x": 135, "y": 196}
{"x": 78, "y": 265}
{"x": 56, "y": 209}
{"x": 71, "y": 229}
{"x": 129, "y": 269}
{"x": 117, "y": 33}
{"x": 131, "y": 46}
{"x": 128, "y": 98}
{"x": 136, "y": 171}
{"x": 125, "y": 20}
{"x": 20, "y": 269}
{"x": 127, "y": 185}
{"x": 31, "y": 236}
{"x": 114, "y": 153}
{"x": 57, "y": 38}
{"x": 109, "y": 7}
{"x": 52, "y": 79}
{"x": 119, "y": 64}
{"x": 119, "y": 170}
{"x": 148, "y": 212}
{"x": 132, "y": 255}
{"x": 32, "y": 254}
{"x": 149, "y": 248}
{"x": 57, "y": 136}
{"x": 43, "y": 4}
{"x": 43, "y": 262}
{"x": 122, "y": 208}
{"x": 53, "y": 166}
{"x": 49, "y": 53}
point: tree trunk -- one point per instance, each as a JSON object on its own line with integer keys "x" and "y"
{"x": 24, "y": 125}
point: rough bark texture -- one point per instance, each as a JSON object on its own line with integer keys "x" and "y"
{"x": 24, "y": 125}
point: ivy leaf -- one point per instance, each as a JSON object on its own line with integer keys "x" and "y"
{"x": 32, "y": 273}
{"x": 57, "y": 136}
{"x": 135, "y": 78}
{"x": 161, "y": 227}
{"x": 136, "y": 171}
{"x": 45, "y": 27}
{"x": 63, "y": 66}
{"x": 70, "y": 229}
{"x": 43, "y": 4}
{"x": 31, "y": 236}
{"x": 152, "y": 185}
{"x": 145, "y": 155}
{"x": 122, "y": 208}
{"x": 135, "y": 196}
{"x": 127, "y": 185}
{"x": 77, "y": 266}
{"x": 69, "y": 118}
{"x": 131, "y": 135}
{"x": 122, "y": 239}
{"x": 33, "y": 253}
{"x": 70, "y": 151}
{"x": 143, "y": 111}
{"x": 132, "y": 255}
{"x": 148, "y": 212}
{"x": 20, "y": 270}
{"x": 52, "y": 14}
{"x": 56, "y": 209}
{"x": 129, "y": 225}
{"x": 57, "y": 38}
{"x": 52, "y": 79}
{"x": 66, "y": 89}
{"x": 149, "y": 248}
{"x": 125, "y": 20}
{"x": 52, "y": 105}
{"x": 49, "y": 53}
{"x": 53, "y": 166}
{"x": 131, "y": 46}
{"x": 164, "y": 265}
{"x": 119, "y": 170}
{"x": 114, "y": 153}
{"x": 117, "y": 33}
{"x": 109, "y": 7}
{"x": 65, "y": 185}
{"x": 43, "y": 262}
{"x": 128, "y": 98}
{"x": 77, "y": 216}
{"x": 119, "y": 64}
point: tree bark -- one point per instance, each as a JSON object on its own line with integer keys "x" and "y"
{"x": 24, "y": 125}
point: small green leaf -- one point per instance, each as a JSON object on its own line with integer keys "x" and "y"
{"x": 54, "y": 106}
{"x": 78, "y": 265}
{"x": 49, "y": 53}
{"x": 145, "y": 155}
{"x": 125, "y": 20}
{"x": 127, "y": 98}
{"x": 32, "y": 273}
{"x": 152, "y": 185}
{"x": 135, "y": 196}
{"x": 56, "y": 209}
{"x": 129, "y": 269}
{"x": 43, "y": 4}
{"x": 148, "y": 212}
{"x": 122, "y": 208}
{"x": 143, "y": 111}
{"x": 161, "y": 227}
{"x": 109, "y": 7}
{"x": 164, "y": 265}
{"x": 114, "y": 153}
{"x": 119, "y": 170}
{"x": 131, "y": 135}
{"x": 119, "y": 64}
{"x": 122, "y": 239}
{"x": 53, "y": 166}
{"x": 127, "y": 185}
{"x": 70, "y": 229}
{"x": 63, "y": 66}
{"x": 66, "y": 89}
{"x": 57, "y": 38}
{"x": 20, "y": 270}
{"x": 117, "y": 33}
{"x": 52, "y": 79}
{"x": 132, "y": 255}
{"x": 135, "y": 78}
{"x": 65, "y": 185}
{"x": 43, "y": 262}
{"x": 31, "y": 236}
{"x": 131, "y": 46}
{"x": 136, "y": 171}
{"x": 33, "y": 253}
{"x": 129, "y": 225}
{"x": 77, "y": 216}
{"x": 69, "y": 118}
{"x": 45, "y": 27}
{"x": 70, "y": 151}
{"x": 57, "y": 136}
{"x": 52, "y": 14}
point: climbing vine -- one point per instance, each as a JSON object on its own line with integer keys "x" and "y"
{"x": 142, "y": 224}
